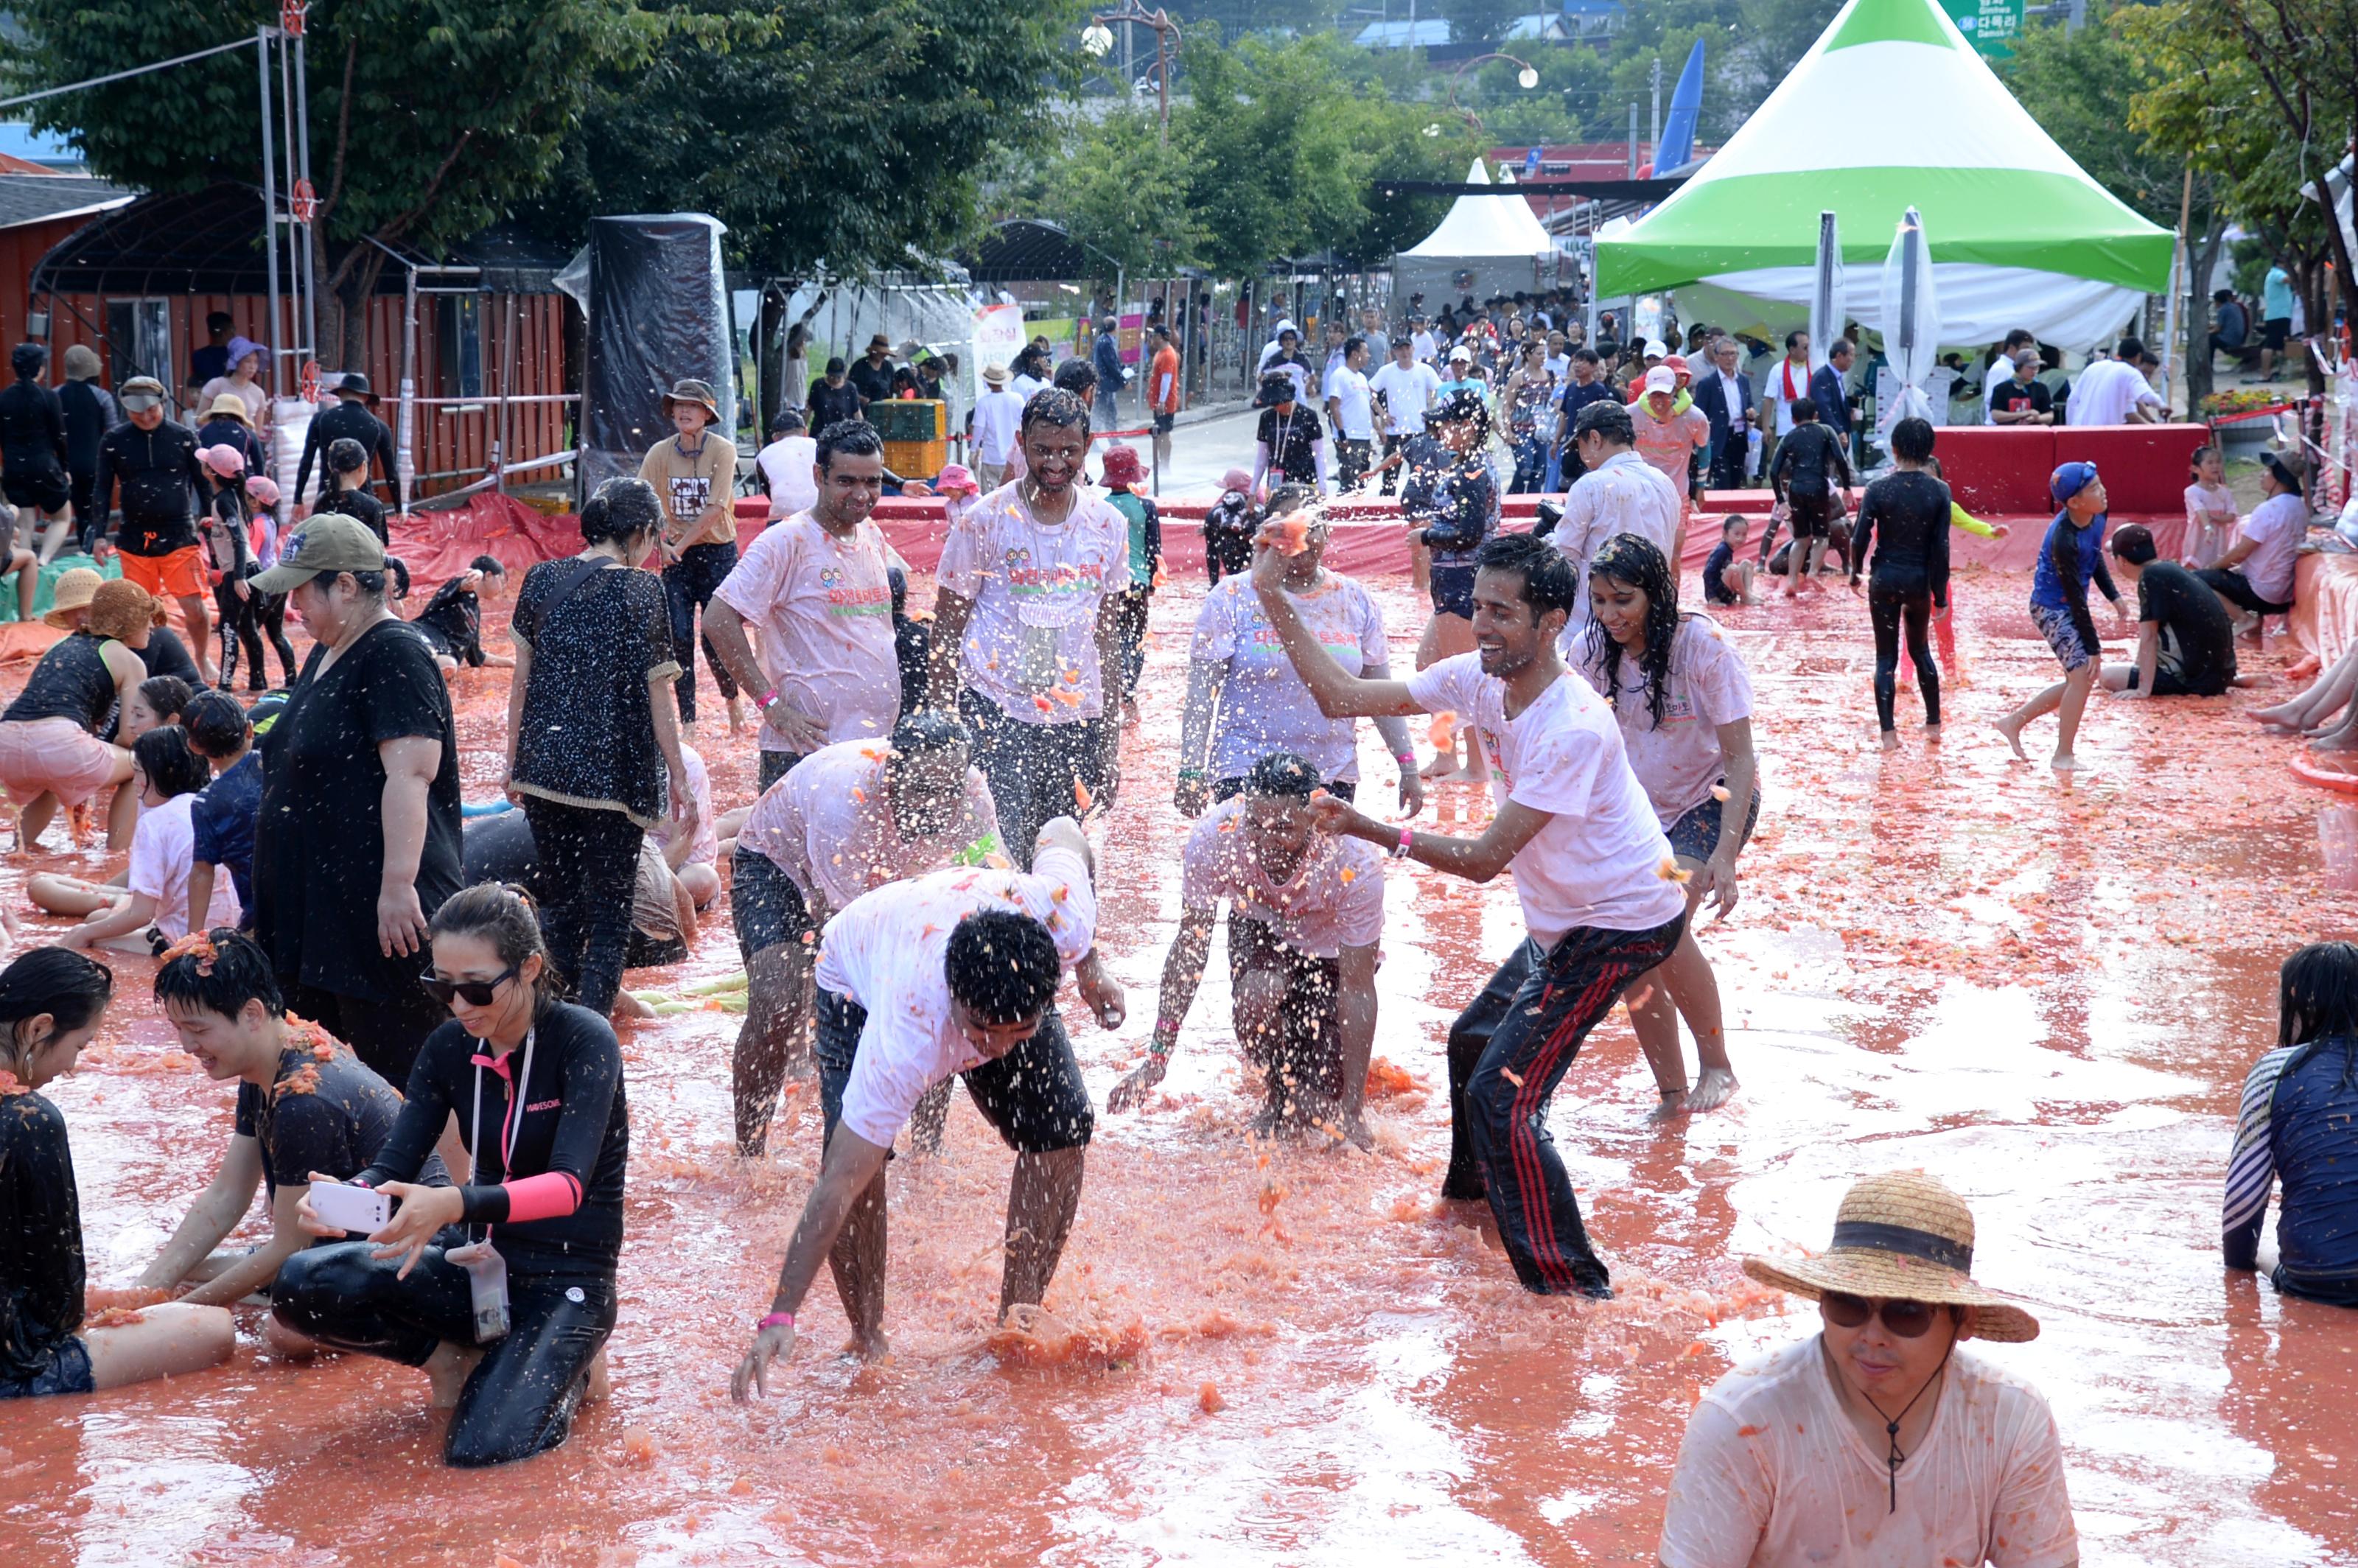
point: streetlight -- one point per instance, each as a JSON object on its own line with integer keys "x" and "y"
{"x": 1526, "y": 78}
{"x": 1098, "y": 39}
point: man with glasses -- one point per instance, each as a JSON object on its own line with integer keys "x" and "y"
{"x": 1879, "y": 1439}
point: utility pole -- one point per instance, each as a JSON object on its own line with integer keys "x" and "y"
{"x": 1657, "y": 140}
{"x": 1633, "y": 139}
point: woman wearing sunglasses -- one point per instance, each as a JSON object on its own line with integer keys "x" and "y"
{"x": 501, "y": 1289}
{"x": 1879, "y": 1441}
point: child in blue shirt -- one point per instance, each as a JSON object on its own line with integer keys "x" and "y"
{"x": 2072, "y": 557}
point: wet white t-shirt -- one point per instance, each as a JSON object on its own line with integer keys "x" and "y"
{"x": 824, "y": 609}
{"x": 1334, "y": 900}
{"x": 885, "y": 950}
{"x": 704, "y": 850}
{"x": 2276, "y": 528}
{"x": 163, "y": 847}
{"x": 1264, "y": 706}
{"x": 788, "y": 463}
{"x": 829, "y": 826}
{"x": 1773, "y": 1475}
{"x": 1678, "y": 761}
{"x": 1600, "y": 860}
{"x": 1030, "y": 645}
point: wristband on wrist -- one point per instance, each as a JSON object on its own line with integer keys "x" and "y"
{"x": 1407, "y": 840}
{"x": 776, "y": 1318}
{"x": 762, "y": 702}
{"x": 1192, "y": 774}
{"x": 1406, "y": 759}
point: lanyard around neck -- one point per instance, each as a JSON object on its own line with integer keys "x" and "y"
{"x": 514, "y": 1121}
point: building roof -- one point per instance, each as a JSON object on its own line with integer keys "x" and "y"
{"x": 183, "y": 241}
{"x": 39, "y": 198}
{"x": 1427, "y": 32}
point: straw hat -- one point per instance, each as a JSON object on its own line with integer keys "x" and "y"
{"x": 73, "y": 591}
{"x": 995, "y": 374}
{"x": 229, "y": 405}
{"x": 1901, "y": 1236}
{"x": 119, "y": 608}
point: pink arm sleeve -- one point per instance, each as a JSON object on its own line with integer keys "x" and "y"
{"x": 549, "y": 1196}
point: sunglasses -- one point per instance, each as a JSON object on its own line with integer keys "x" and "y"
{"x": 478, "y": 993}
{"x": 1908, "y": 1320}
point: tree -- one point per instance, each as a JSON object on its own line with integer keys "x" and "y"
{"x": 1123, "y": 192}
{"x": 820, "y": 131}
{"x": 427, "y": 123}
{"x": 1481, "y": 21}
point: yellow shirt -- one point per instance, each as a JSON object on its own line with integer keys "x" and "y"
{"x": 690, "y": 484}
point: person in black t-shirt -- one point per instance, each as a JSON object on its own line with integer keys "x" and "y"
{"x": 305, "y": 1105}
{"x": 33, "y": 446}
{"x": 1907, "y": 569}
{"x": 452, "y": 621}
{"x": 348, "y": 488}
{"x": 2186, "y": 644}
{"x": 1726, "y": 579}
{"x": 350, "y": 420}
{"x": 51, "y": 1002}
{"x": 872, "y": 377}
{"x": 536, "y": 1086}
{"x": 833, "y": 399}
{"x": 2021, "y": 399}
{"x": 1290, "y": 443}
{"x": 1807, "y": 460}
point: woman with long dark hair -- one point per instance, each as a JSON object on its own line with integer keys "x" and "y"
{"x": 51, "y": 1002}
{"x": 511, "y": 1326}
{"x": 1909, "y": 574}
{"x": 2300, "y": 1126}
{"x": 1684, "y": 704}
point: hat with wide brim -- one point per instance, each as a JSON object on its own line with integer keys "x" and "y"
{"x": 121, "y": 608}
{"x": 697, "y": 392}
{"x": 1901, "y": 1236}
{"x": 229, "y": 405}
{"x": 995, "y": 374}
{"x": 73, "y": 591}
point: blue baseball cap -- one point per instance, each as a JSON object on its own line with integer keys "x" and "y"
{"x": 2070, "y": 480}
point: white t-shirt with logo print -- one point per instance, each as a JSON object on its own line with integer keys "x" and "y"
{"x": 1600, "y": 860}
{"x": 824, "y": 609}
{"x": 1334, "y": 900}
{"x": 1679, "y": 760}
{"x": 1031, "y": 644}
{"x": 1264, "y": 705}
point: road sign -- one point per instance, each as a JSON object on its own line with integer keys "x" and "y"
{"x": 1990, "y": 26}
{"x": 305, "y": 201}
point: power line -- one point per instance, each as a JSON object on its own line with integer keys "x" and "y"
{"x": 123, "y": 75}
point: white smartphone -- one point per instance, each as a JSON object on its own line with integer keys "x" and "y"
{"x": 355, "y": 1209}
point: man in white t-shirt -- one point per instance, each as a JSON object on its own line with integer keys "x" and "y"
{"x": 997, "y": 414}
{"x": 1027, "y": 627}
{"x": 1306, "y": 914}
{"x": 1407, "y": 388}
{"x": 1619, "y": 492}
{"x": 2018, "y": 343}
{"x": 1422, "y": 344}
{"x": 953, "y": 974}
{"x": 818, "y": 586}
{"x": 1350, "y": 407}
{"x": 1878, "y": 1441}
{"x": 1783, "y": 382}
{"x": 786, "y": 464}
{"x": 1593, "y": 872}
{"x": 2254, "y": 578}
{"x": 2115, "y": 391}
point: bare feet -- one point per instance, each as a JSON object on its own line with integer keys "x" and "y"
{"x": 1933, "y": 734}
{"x": 1674, "y": 1105}
{"x": 871, "y": 1347}
{"x": 601, "y": 1381}
{"x": 2011, "y": 728}
{"x": 1891, "y": 739}
{"x": 2063, "y": 762}
{"x": 2343, "y": 739}
{"x": 1129, "y": 713}
{"x": 1443, "y": 766}
{"x": 1712, "y": 1089}
{"x": 737, "y": 715}
{"x": 628, "y": 1005}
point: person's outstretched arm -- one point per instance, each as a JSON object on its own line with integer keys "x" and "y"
{"x": 1182, "y": 971}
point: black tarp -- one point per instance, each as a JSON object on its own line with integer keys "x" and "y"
{"x": 658, "y": 313}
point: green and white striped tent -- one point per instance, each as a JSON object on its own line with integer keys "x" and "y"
{"x": 1891, "y": 108}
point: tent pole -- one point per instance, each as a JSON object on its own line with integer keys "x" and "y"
{"x": 270, "y": 224}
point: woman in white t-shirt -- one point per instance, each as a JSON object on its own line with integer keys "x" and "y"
{"x": 1684, "y": 705}
{"x": 151, "y": 910}
{"x": 787, "y": 467}
{"x": 2210, "y": 512}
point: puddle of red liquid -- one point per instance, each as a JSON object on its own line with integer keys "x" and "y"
{"x": 2046, "y": 993}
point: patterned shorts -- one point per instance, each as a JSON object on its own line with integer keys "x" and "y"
{"x": 2062, "y": 636}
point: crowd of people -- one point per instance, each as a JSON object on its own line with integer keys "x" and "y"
{"x": 914, "y": 880}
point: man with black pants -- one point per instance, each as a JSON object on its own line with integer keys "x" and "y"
{"x": 351, "y": 419}
{"x": 1350, "y": 408}
{"x": 1725, "y": 396}
{"x": 33, "y": 446}
{"x": 1798, "y": 475}
{"x": 2186, "y": 644}
{"x": 91, "y": 413}
{"x": 1575, "y": 825}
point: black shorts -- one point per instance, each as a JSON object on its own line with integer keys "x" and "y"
{"x": 768, "y": 908}
{"x": 1228, "y": 789}
{"x": 46, "y": 490}
{"x": 1033, "y": 1096}
{"x": 1452, "y": 590}
{"x": 2236, "y": 589}
{"x": 1301, "y": 1054}
{"x": 1814, "y": 515}
{"x": 1695, "y": 834}
{"x": 1163, "y": 423}
{"x": 2274, "y": 331}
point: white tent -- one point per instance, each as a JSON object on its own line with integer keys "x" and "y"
{"x": 1891, "y": 109}
{"x": 1487, "y": 245}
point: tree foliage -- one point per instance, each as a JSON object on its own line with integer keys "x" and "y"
{"x": 820, "y": 131}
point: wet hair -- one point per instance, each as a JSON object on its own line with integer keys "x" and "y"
{"x": 622, "y": 509}
{"x": 168, "y": 697}
{"x": 1055, "y": 405}
{"x": 220, "y": 972}
{"x": 1634, "y": 559}
{"x": 1609, "y": 419}
{"x": 1290, "y": 496}
{"x": 1003, "y": 965}
{"x": 71, "y": 986}
{"x": 501, "y": 914}
{"x": 1910, "y": 438}
{"x": 1804, "y": 410}
{"x": 899, "y": 580}
{"x": 1548, "y": 581}
{"x": 216, "y": 726}
{"x": 164, "y": 756}
{"x": 1462, "y": 406}
{"x": 1074, "y": 375}
{"x": 396, "y": 568}
{"x": 29, "y": 359}
{"x": 926, "y": 732}
{"x": 491, "y": 566}
{"x": 2134, "y": 544}
{"x": 347, "y": 456}
{"x": 852, "y": 438}
{"x": 2317, "y": 1004}
{"x": 1288, "y": 774}
{"x": 786, "y": 424}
